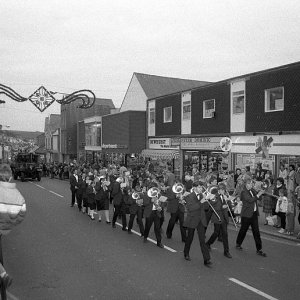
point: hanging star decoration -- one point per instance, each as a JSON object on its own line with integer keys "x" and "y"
{"x": 42, "y": 98}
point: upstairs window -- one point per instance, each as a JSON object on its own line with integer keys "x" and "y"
{"x": 274, "y": 99}
{"x": 208, "y": 109}
{"x": 168, "y": 114}
{"x": 186, "y": 110}
{"x": 238, "y": 102}
{"x": 152, "y": 116}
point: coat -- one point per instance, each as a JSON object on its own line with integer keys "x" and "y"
{"x": 195, "y": 211}
{"x": 248, "y": 203}
{"x": 73, "y": 183}
{"x": 116, "y": 193}
{"x": 217, "y": 204}
{"x": 173, "y": 204}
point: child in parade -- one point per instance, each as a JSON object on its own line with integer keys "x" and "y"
{"x": 281, "y": 209}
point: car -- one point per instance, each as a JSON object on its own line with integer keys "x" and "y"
{"x": 27, "y": 166}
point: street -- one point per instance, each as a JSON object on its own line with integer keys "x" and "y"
{"x": 60, "y": 253}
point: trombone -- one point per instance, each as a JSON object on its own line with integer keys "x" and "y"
{"x": 208, "y": 192}
{"x": 232, "y": 218}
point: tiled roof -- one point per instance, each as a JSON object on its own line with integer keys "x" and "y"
{"x": 156, "y": 86}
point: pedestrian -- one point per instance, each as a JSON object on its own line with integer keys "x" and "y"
{"x": 102, "y": 198}
{"x": 196, "y": 219}
{"x": 267, "y": 200}
{"x": 290, "y": 217}
{"x": 74, "y": 186}
{"x": 90, "y": 192}
{"x": 281, "y": 209}
{"x": 249, "y": 216}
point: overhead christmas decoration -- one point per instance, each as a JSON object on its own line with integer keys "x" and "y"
{"x": 42, "y": 98}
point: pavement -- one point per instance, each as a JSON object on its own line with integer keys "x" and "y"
{"x": 273, "y": 231}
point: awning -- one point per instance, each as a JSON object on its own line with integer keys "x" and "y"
{"x": 161, "y": 154}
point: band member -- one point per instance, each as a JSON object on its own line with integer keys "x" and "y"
{"x": 74, "y": 186}
{"x": 81, "y": 186}
{"x": 117, "y": 198}
{"x": 90, "y": 192}
{"x": 152, "y": 213}
{"x": 196, "y": 218}
{"x": 136, "y": 209}
{"x": 176, "y": 208}
{"x": 102, "y": 198}
{"x": 220, "y": 220}
{"x": 249, "y": 216}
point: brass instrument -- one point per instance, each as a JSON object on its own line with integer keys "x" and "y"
{"x": 137, "y": 197}
{"x": 228, "y": 199}
{"x": 153, "y": 193}
{"x": 178, "y": 189}
{"x": 209, "y": 193}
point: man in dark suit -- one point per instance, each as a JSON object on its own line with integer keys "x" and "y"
{"x": 176, "y": 208}
{"x": 220, "y": 217}
{"x": 74, "y": 186}
{"x": 196, "y": 218}
{"x": 249, "y": 215}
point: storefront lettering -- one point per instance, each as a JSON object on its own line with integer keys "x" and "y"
{"x": 113, "y": 146}
{"x": 159, "y": 142}
{"x": 196, "y": 140}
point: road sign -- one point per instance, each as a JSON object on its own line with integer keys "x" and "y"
{"x": 226, "y": 144}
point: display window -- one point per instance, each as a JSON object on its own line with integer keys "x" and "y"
{"x": 204, "y": 161}
{"x": 242, "y": 160}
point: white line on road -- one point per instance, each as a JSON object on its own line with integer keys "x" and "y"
{"x": 10, "y": 296}
{"x": 252, "y": 289}
{"x": 38, "y": 185}
{"x": 149, "y": 239}
{"x": 56, "y": 194}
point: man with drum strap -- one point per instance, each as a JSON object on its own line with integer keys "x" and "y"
{"x": 196, "y": 218}
{"x": 220, "y": 221}
{"x": 249, "y": 217}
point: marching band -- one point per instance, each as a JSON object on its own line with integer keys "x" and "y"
{"x": 193, "y": 206}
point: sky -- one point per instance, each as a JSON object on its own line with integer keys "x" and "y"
{"x": 69, "y": 45}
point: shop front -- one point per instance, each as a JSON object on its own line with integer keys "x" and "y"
{"x": 269, "y": 150}
{"x": 163, "y": 152}
{"x": 203, "y": 154}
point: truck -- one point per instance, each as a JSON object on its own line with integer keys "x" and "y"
{"x": 27, "y": 166}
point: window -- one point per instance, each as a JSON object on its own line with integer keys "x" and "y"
{"x": 186, "y": 110}
{"x": 152, "y": 116}
{"x": 274, "y": 99}
{"x": 168, "y": 114}
{"x": 238, "y": 102}
{"x": 208, "y": 108}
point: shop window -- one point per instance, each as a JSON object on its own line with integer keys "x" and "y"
{"x": 274, "y": 99}
{"x": 238, "y": 102}
{"x": 168, "y": 114}
{"x": 209, "y": 109}
{"x": 152, "y": 116}
{"x": 186, "y": 110}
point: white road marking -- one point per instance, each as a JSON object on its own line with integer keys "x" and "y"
{"x": 56, "y": 194}
{"x": 149, "y": 239}
{"x": 37, "y": 185}
{"x": 252, "y": 289}
{"x": 11, "y": 296}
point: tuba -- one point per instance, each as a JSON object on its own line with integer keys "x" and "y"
{"x": 177, "y": 188}
{"x": 137, "y": 197}
{"x": 153, "y": 192}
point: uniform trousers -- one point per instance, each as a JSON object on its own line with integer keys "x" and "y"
{"x": 154, "y": 217}
{"x": 201, "y": 235}
{"x": 119, "y": 211}
{"x": 139, "y": 217}
{"x": 217, "y": 229}
{"x": 179, "y": 215}
{"x": 245, "y": 223}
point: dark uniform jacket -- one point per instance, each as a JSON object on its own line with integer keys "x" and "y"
{"x": 217, "y": 204}
{"x": 173, "y": 204}
{"x": 195, "y": 211}
{"x": 248, "y": 203}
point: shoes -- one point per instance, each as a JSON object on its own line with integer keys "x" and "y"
{"x": 99, "y": 220}
{"x": 281, "y": 230}
{"x": 6, "y": 281}
{"x": 208, "y": 246}
{"x": 92, "y": 218}
{"x": 145, "y": 240}
{"x": 124, "y": 229}
{"x": 261, "y": 253}
{"x": 142, "y": 235}
{"x": 113, "y": 225}
{"x": 207, "y": 263}
{"x": 160, "y": 245}
{"x": 108, "y": 222}
{"x": 129, "y": 231}
{"x": 169, "y": 236}
{"x": 187, "y": 257}
{"x": 239, "y": 247}
{"x": 227, "y": 254}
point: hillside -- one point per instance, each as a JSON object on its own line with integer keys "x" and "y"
{"x": 24, "y": 135}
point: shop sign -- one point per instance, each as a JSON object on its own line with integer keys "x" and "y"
{"x": 201, "y": 143}
{"x": 164, "y": 143}
{"x": 263, "y": 146}
{"x": 114, "y": 146}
